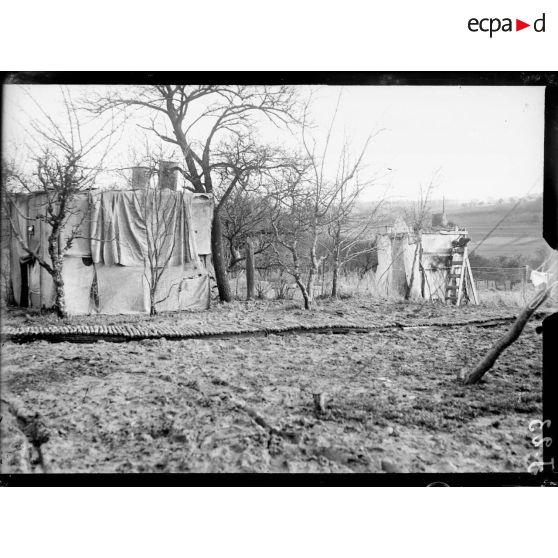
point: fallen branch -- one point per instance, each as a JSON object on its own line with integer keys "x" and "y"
{"x": 488, "y": 361}
{"x": 261, "y": 421}
{"x": 255, "y": 416}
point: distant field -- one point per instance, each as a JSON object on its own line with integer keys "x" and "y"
{"x": 519, "y": 234}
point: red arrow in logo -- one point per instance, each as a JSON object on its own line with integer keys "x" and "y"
{"x": 519, "y": 25}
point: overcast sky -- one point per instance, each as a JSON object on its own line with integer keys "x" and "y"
{"x": 485, "y": 142}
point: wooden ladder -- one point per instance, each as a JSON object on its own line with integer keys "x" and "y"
{"x": 460, "y": 283}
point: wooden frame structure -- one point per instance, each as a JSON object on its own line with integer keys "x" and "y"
{"x": 460, "y": 282}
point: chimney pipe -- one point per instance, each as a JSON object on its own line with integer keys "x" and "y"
{"x": 140, "y": 178}
{"x": 167, "y": 177}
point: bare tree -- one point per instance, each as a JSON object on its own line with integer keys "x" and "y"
{"x": 213, "y": 113}
{"x": 419, "y": 215}
{"x": 157, "y": 209}
{"x": 246, "y": 216}
{"x": 332, "y": 200}
{"x": 65, "y": 164}
{"x": 310, "y": 203}
{"x": 344, "y": 234}
{"x": 7, "y": 173}
{"x": 291, "y": 220}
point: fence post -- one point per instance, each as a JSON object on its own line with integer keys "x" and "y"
{"x": 250, "y": 270}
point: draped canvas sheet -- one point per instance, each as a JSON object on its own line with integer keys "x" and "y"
{"x": 383, "y": 275}
{"x": 18, "y": 213}
{"x": 121, "y": 289}
{"x": 78, "y": 223}
{"x": 111, "y": 225}
{"x": 30, "y": 210}
{"x": 25, "y": 212}
{"x": 76, "y": 276}
{"x": 129, "y": 227}
{"x": 183, "y": 288}
{"x": 395, "y": 262}
{"x": 78, "y": 279}
{"x": 125, "y": 289}
{"x": 412, "y": 267}
{"x": 202, "y": 217}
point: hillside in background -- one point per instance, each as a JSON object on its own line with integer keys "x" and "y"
{"x": 519, "y": 234}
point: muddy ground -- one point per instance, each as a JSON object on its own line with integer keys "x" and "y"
{"x": 246, "y": 404}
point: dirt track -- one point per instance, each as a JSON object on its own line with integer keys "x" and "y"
{"x": 246, "y": 404}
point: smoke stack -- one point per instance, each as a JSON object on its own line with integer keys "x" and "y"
{"x": 140, "y": 178}
{"x": 167, "y": 176}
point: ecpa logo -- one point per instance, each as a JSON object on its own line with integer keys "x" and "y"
{"x": 492, "y": 25}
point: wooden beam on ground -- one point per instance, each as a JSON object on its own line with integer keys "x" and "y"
{"x": 498, "y": 348}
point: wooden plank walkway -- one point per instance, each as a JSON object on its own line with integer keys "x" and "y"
{"x": 137, "y": 332}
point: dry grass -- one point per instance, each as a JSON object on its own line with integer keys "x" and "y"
{"x": 354, "y": 285}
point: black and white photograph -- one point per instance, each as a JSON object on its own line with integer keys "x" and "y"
{"x": 261, "y": 277}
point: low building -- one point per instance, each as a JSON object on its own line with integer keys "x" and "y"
{"x": 106, "y": 268}
{"x": 417, "y": 264}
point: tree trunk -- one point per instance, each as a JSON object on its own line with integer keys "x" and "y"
{"x": 305, "y": 294}
{"x": 57, "y": 278}
{"x": 310, "y": 285}
{"x": 412, "y": 278}
{"x": 218, "y": 259}
{"x": 488, "y": 361}
{"x": 152, "y": 303}
{"x": 250, "y": 270}
{"x": 335, "y": 277}
{"x": 59, "y": 299}
{"x": 314, "y": 268}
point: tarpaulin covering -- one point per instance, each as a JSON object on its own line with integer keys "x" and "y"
{"x": 78, "y": 222}
{"x": 18, "y": 213}
{"x": 129, "y": 226}
{"x": 383, "y": 271}
{"x": 121, "y": 289}
{"x": 395, "y": 260}
{"x": 184, "y": 288}
{"x": 538, "y": 277}
{"x": 411, "y": 264}
{"x": 119, "y": 237}
{"x": 180, "y": 288}
{"x": 78, "y": 279}
{"x": 28, "y": 216}
{"x": 202, "y": 217}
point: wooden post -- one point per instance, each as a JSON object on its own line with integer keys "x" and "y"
{"x": 505, "y": 341}
{"x": 250, "y": 270}
{"x": 472, "y": 282}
